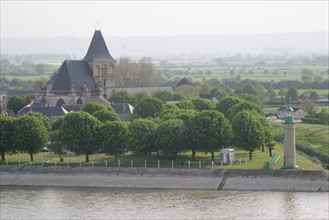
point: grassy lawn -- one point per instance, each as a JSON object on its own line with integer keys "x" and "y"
{"x": 260, "y": 160}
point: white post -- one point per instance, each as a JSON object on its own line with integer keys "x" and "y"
{"x": 145, "y": 163}
{"x": 212, "y": 164}
{"x": 6, "y": 162}
{"x": 172, "y": 164}
{"x": 131, "y": 163}
{"x": 189, "y": 164}
{"x": 106, "y": 163}
{"x": 80, "y": 163}
{"x": 119, "y": 163}
{"x": 200, "y": 164}
{"x": 92, "y": 163}
{"x": 158, "y": 163}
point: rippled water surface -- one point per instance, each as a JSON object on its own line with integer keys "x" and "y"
{"x": 114, "y": 203}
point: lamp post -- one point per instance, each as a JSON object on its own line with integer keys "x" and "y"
{"x": 285, "y": 88}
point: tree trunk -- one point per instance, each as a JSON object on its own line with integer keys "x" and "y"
{"x": 87, "y": 158}
{"x": 250, "y": 155}
{"x": 31, "y": 156}
{"x": 263, "y": 148}
{"x": 270, "y": 149}
{"x": 3, "y": 156}
{"x": 193, "y": 154}
{"x": 212, "y": 156}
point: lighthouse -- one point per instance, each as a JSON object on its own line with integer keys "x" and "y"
{"x": 289, "y": 140}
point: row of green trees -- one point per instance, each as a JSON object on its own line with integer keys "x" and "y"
{"x": 196, "y": 126}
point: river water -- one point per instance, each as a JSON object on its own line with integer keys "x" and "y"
{"x": 121, "y": 203}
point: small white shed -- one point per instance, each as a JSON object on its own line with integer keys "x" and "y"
{"x": 227, "y": 156}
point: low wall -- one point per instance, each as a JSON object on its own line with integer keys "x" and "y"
{"x": 218, "y": 179}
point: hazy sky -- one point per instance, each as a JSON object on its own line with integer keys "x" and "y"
{"x": 144, "y": 18}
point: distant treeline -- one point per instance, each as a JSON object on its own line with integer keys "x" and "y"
{"x": 233, "y": 84}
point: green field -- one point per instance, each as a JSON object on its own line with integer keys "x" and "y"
{"x": 31, "y": 77}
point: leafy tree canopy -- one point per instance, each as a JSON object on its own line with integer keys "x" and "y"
{"x": 203, "y": 104}
{"x": 93, "y": 107}
{"x": 148, "y": 107}
{"x": 248, "y": 130}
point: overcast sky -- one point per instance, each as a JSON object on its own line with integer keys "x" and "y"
{"x": 151, "y": 18}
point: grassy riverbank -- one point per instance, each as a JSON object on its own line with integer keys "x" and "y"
{"x": 260, "y": 160}
{"x": 313, "y": 140}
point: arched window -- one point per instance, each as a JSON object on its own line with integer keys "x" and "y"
{"x": 79, "y": 101}
{"x": 60, "y": 102}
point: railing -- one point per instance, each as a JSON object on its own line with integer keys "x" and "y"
{"x": 273, "y": 161}
{"x": 152, "y": 163}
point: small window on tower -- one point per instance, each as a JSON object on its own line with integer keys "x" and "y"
{"x": 104, "y": 70}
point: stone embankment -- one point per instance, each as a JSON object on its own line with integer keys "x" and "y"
{"x": 216, "y": 179}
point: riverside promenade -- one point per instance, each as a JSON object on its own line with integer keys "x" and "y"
{"x": 164, "y": 178}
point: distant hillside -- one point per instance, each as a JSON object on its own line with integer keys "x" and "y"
{"x": 164, "y": 45}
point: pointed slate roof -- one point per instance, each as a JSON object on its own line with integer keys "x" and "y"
{"x": 98, "y": 50}
{"x": 73, "y": 70}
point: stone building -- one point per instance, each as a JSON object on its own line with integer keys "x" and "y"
{"x": 81, "y": 81}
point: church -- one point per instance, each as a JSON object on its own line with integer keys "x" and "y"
{"x": 77, "y": 82}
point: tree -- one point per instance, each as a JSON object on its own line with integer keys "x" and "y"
{"x": 78, "y": 133}
{"x": 138, "y": 96}
{"x": 163, "y": 95}
{"x": 92, "y": 107}
{"x": 324, "y": 116}
{"x": 131, "y": 74}
{"x": 226, "y": 103}
{"x": 283, "y": 94}
{"x": 189, "y": 143}
{"x": 244, "y": 105}
{"x": 185, "y": 105}
{"x": 310, "y": 94}
{"x": 169, "y": 137}
{"x": 190, "y": 92}
{"x": 148, "y": 107}
{"x": 203, "y": 104}
{"x": 122, "y": 96}
{"x": 142, "y": 136}
{"x": 16, "y": 103}
{"x": 211, "y": 131}
{"x": 271, "y": 94}
{"x": 40, "y": 68}
{"x": 249, "y": 89}
{"x": 260, "y": 90}
{"x": 112, "y": 137}
{"x": 105, "y": 115}
{"x": 30, "y": 135}
{"x": 248, "y": 131}
{"x": 56, "y": 144}
{"x": 310, "y": 108}
{"x": 292, "y": 94}
{"x": 45, "y": 120}
{"x": 6, "y": 135}
{"x": 184, "y": 81}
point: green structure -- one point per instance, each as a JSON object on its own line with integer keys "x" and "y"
{"x": 289, "y": 145}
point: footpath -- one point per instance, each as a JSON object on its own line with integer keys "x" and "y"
{"x": 164, "y": 178}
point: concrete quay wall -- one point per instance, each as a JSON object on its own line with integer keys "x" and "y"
{"x": 212, "y": 179}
